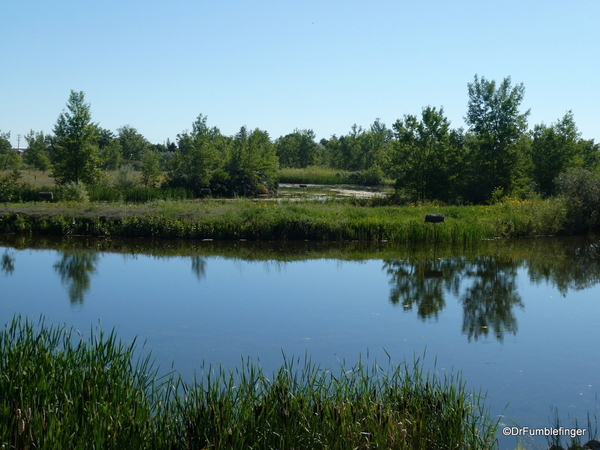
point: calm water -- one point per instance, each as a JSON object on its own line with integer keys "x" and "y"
{"x": 518, "y": 319}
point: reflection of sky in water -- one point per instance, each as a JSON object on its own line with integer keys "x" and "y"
{"x": 218, "y": 309}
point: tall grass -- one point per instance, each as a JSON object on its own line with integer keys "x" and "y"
{"x": 322, "y": 175}
{"x": 305, "y": 407}
{"x": 61, "y": 390}
{"x": 289, "y": 220}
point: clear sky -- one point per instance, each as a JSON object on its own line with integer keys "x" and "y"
{"x": 282, "y": 64}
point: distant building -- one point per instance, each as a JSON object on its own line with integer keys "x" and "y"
{"x": 20, "y": 151}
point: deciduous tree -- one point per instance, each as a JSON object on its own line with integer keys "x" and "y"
{"x": 37, "y": 154}
{"x": 496, "y": 123}
{"x": 425, "y": 156}
{"x": 554, "y": 149}
{"x": 76, "y": 143}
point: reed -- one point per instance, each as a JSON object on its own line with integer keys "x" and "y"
{"x": 338, "y": 220}
{"x": 61, "y": 390}
{"x": 312, "y": 175}
{"x": 302, "y": 406}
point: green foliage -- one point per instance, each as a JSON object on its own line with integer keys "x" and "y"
{"x": 9, "y": 159}
{"x": 496, "y": 125}
{"x": 5, "y": 145}
{"x": 151, "y": 171}
{"x": 125, "y": 178}
{"x": 554, "y": 149}
{"x": 75, "y": 144}
{"x": 133, "y": 144}
{"x": 86, "y": 392}
{"x": 312, "y": 175}
{"x": 111, "y": 155}
{"x": 200, "y": 153}
{"x": 252, "y": 165}
{"x": 96, "y": 392}
{"x": 9, "y": 186}
{"x": 360, "y": 149}
{"x": 426, "y": 157}
{"x": 298, "y": 149}
{"x": 581, "y": 190}
{"x": 37, "y": 154}
{"x": 74, "y": 191}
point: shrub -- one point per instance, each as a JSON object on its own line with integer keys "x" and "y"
{"x": 581, "y": 188}
{"x": 74, "y": 191}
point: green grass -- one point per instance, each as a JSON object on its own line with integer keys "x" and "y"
{"x": 321, "y": 175}
{"x": 59, "y": 389}
{"x": 345, "y": 220}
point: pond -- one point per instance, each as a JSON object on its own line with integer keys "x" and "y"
{"x": 518, "y": 319}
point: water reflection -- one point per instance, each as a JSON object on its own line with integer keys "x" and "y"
{"x": 489, "y": 302}
{"x": 576, "y": 268}
{"x": 486, "y": 287}
{"x": 484, "y": 280}
{"x": 422, "y": 284}
{"x": 199, "y": 267}
{"x": 75, "y": 270}
{"x": 7, "y": 263}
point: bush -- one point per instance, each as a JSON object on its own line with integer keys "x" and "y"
{"x": 75, "y": 191}
{"x": 9, "y": 187}
{"x": 581, "y": 189}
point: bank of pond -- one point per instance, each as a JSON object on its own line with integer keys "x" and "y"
{"x": 329, "y": 220}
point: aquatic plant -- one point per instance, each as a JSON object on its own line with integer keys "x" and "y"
{"x": 59, "y": 389}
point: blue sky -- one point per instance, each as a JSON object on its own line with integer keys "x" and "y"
{"x": 281, "y": 65}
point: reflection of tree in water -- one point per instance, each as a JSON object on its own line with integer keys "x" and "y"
{"x": 75, "y": 269}
{"x": 422, "y": 284}
{"x": 7, "y": 264}
{"x": 199, "y": 267}
{"x": 489, "y": 301}
{"x": 575, "y": 268}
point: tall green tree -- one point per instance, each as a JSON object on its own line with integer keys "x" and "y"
{"x": 133, "y": 143}
{"x": 199, "y": 154}
{"x": 298, "y": 149}
{"x": 75, "y": 144}
{"x": 37, "y": 154}
{"x": 9, "y": 159}
{"x": 151, "y": 171}
{"x": 496, "y": 124}
{"x": 252, "y": 165}
{"x": 554, "y": 149}
{"x": 426, "y": 158}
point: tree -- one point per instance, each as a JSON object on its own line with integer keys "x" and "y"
{"x": 8, "y": 157}
{"x": 37, "y": 154}
{"x": 133, "y": 144}
{"x": 76, "y": 144}
{"x": 425, "y": 156}
{"x": 151, "y": 168}
{"x": 496, "y": 124}
{"x": 200, "y": 153}
{"x": 298, "y": 149}
{"x": 252, "y": 165}
{"x": 554, "y": 149}
{"x": 111, "y": 155}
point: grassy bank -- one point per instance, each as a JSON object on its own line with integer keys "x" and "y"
{"x": 286, "y": 220}
{"x": 97, "y": 392}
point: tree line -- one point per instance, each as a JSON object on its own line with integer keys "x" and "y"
{"x": 497, "y": 155}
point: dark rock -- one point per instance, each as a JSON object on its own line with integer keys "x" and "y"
{"x": 434, "y": 218}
